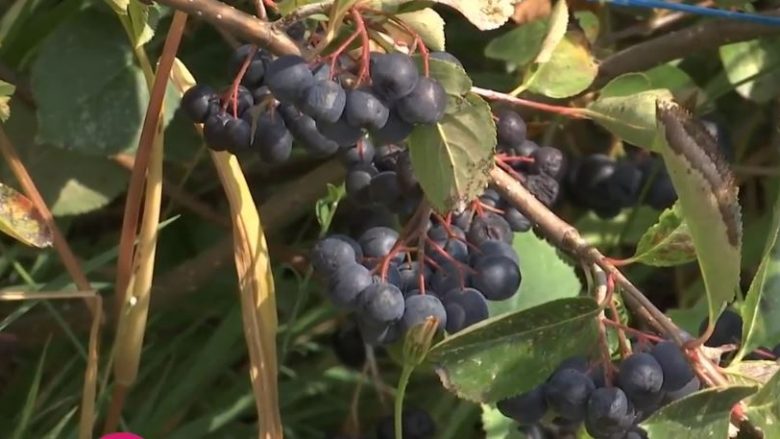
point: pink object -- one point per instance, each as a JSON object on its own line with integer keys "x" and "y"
{"x": 121, "y": 436}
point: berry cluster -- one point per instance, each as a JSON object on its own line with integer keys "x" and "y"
{"x": 285, "y": 99}
{"x": 606, "y": 186}
{"x": 578, "y": 392}
{"x": 460, "y": 270}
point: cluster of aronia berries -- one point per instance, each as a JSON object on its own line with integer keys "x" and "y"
{"x": 577, "y": 392}
{"x": 287, "y": 99}
{"x": 606, "y": 186}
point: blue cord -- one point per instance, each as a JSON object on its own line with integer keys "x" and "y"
{"x": 698, "y": 10}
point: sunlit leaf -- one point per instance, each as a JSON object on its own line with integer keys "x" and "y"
{"x": 21, "y": 220}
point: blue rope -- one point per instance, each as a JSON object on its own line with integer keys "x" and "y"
{"x": 697, "y": 10}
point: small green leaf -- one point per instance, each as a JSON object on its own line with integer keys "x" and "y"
{"x": 763, "y": 408}
{"x": 326, "y": 206}
{"x": 91, "y": 96}
{"x": 452, "y": 158}
{"x": 21, "y": 220}
{"x": 453, "y": 78}
{"x": 630, "y": 117}
{"x": 569, "y": 70}
{"x": 498, "y": 426}
{"x": 589, "y": 23}
{"x": 6, "y": 91}
{"x": 520, "y": 45}
{"x": 667, "y": 243}
{"x": 672, "y": 78}
{"x": 558, "y": 23}
{"x": 143, "y": 19}
{"x": 512, "y": 353}
{"x": 28, "y": 409}
{"x": 546, "y": 276}
{"x": 707, "y": 198}
{"x": 429, "y": 26}
{"x": 758, "y": 58}
{"x": 761, "y": 309}
{"x": 703, "y": 415}
{"x": 626, "y": 85}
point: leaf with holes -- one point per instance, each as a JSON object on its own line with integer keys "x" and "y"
{"x": 761, "y": 309}
{"x": 546, "y": 276}
{"x": 631, "y": 117}
{"x": 667, "y": 243}
{"x": 763, "y": 408}
{"x": 707, "y": 196}
{"x": 91, "y": 96}
{"x": 452, "y": 158}
{"x": 481, "y": 363}
{"x": 702, "y": 415}
{"x": 20, "y": 219}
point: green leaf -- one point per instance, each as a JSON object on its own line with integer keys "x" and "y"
{"x": 570, "y": 69}
{"x": 512, "y": 353}
{"x": 143, "y": 20}
{"x": 751, "y": 373}
{"x": 71, "y": 183}
{"x": 667, "y": 243}
{"x": 703, "y": 415}
{"x": 589, "y": 23}
{"x": 558, "y": 23}
{"x": 520, "y": 45}
{"x": 28, "y": 410}
{"x": 453, "y": 78}
{"x": 453, "y": 157}
{"x": 429, "y": 26}
{"x": 707, "y": 198}
{"x": 6, "y": 91}
{"x": 91, "y": 96}
{"x": 763, "y": 408}
{"x": 761, "y": 309}
{"x": 546, "y": 276}
{"x": 20, "y": 220}
{"x": 672, "y": 78}
{"x": 326, "y": 206}
{"x": 118, "y": 6}
{"x": 631, "y": 117}
{"x": 758, "y": 58}
{"x": 498, "y": 426}
{"x": 601, "y": 232}
{"x": 626, "y": 85}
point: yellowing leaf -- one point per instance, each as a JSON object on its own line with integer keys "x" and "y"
{"x": 6, "y": 91}
{"x": 21, "y": 220}
{"x": 559, "y": 21}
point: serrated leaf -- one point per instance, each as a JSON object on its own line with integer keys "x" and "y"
{"x": 6, "y": 91}
{"x": 498, "y": 426}
{"x": 702, "y": 415}
{"x": 91, "y": 96}
{"x": 484, "y": 14}
{"x": 143, "y": 20}
{"x": 520, "y": 45}
{"x": 759, "y": 58}
{"x": 667, "y": 243}
{"x": 20, "y": 219}
{"x": 429, "y": 26}
{"x": 546, "y": 276}
{"x": 763, "y": 408}
{"x": 761, "y": 309}
{"x": 558, "y": 23}
{"x": 569, "y": 70}
{"x": 707, "y": 197}
{"x": 512, "y": 353}
{"x": 453, "y": 78}
{"x": 630, "y": 117}
{"x": 452, "y": 158}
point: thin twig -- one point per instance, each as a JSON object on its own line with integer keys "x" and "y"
{"x": 492, "y": 95}
{"x": 67, "y": 256}
{"x": 703, "y": 36}
{"x": 239, "y": 23}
